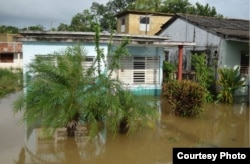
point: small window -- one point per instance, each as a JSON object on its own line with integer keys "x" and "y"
{"x": 144, "y": 23}
{"x": 7, "y": 58}
{"x": 244, "y": 62}
{"x": 123, "y": 21}
{"x": 123, "y": 25}
{"x": 88, "y": 62}
{"x": 144, "y": 20}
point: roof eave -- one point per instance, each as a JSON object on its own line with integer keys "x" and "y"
{"x": 88, "y": 37}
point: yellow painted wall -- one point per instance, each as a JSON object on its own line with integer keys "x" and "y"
{"x": 132, "y": 24}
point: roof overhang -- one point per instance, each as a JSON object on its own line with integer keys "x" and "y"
{"x": 105, "y": 38}
{"x": 126, "y": 12}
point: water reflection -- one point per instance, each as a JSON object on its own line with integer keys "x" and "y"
{"x": 219, "y": 126}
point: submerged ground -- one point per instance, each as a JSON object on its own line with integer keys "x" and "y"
{"x": 220, "y": 126}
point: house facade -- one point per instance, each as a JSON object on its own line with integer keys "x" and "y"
{"x": 140, "y": 72}
{"x": 224, "y": 41}
{"x": 10, "y": 52}
{"x": 140, "y": 22}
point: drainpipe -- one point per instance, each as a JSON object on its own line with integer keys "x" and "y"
{"x": 180, "y": 55}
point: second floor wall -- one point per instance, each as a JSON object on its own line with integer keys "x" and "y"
{"x": 140, "y": 23}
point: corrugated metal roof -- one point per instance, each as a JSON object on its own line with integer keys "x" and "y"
{"x": 223, "y": 27}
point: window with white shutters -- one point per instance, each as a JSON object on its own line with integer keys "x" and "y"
{"x": 138, "y": 70}
{"x": 139, "y": 64}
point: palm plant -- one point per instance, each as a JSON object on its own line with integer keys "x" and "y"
{"x": 230, "y": 80}
{"x": 54, "y": 88}
{"x": 61, "y": 92}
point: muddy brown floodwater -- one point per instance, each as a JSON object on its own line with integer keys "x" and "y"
{"x": 220, "y": 126}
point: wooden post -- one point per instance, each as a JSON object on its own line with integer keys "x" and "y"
{"x": 180, "y": 56}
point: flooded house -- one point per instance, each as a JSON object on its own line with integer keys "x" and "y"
{"x": 225, "y": 42}
{"x": 140, "y": 72}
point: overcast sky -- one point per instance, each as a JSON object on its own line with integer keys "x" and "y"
{"x": 50, "y": 13}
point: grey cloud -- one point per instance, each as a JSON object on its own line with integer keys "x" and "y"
{"x": 32, "y": 12}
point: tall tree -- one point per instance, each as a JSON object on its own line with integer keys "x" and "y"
{"x": 63, "y": 27}
{"x": 205, "y": 10}
{"x": 183, "y": 6}
{"x": 175, "y": 6}
{"x": 147, "y": 5}
{"x": 81, "y": 21}
{"x": 120, "y": 5}
{"x": 105, "y": 15}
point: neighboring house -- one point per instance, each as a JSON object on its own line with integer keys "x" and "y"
{"x": 225, "y": 41}
{"x": 10, "y": 52}
{"x": 140, "y": 72}
{"x": 140, "y": 22}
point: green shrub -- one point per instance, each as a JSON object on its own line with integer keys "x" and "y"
{"x": 168, "y": 70}
{"x": 10, "y": 81}
{"x": 186, "y": 97}
{"x": 204, "y": 74}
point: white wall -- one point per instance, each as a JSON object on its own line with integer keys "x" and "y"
{"x": 30, "y": 49}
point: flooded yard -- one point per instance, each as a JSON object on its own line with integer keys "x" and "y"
{"x": 219, "y": 126}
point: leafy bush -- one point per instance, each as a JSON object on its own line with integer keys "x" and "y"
{"x": 204, "y": 74}
{"x": 10, "y": 81}
{"x": 186, "y": 97}
{"x": 168, "y": 70}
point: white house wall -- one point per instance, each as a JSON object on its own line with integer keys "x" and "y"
{"x": 30, "y": 49}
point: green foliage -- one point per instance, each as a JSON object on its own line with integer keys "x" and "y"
{"x": 147, "y": 5}
{"x": 204, "y": 74}
{"x": 61, "y": 92}
{"x": 205, "y": 10}
{"x": 8, "y": 29}
{"x": 168, "y": 70}
{"x": 10, "y": 81}
{"x": 230, "y": 80}
{"x": 34, "y": 28}
{"x": 183, "y": 6}
{"x": 174, "y": 6}
{"x": 82, "y": 21}
{"x": 186, "y": 97}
